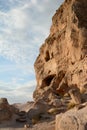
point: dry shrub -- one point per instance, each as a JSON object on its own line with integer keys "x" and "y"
{"x": 71, "y": 105}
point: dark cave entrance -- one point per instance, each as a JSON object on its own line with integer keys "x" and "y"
{"x": 47, "y": 80}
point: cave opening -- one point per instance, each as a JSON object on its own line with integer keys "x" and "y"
{"x": 47, "y": 80}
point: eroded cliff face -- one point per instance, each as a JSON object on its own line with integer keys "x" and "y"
{"x": 62, "y": 62}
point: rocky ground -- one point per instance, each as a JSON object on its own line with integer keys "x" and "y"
{"x": 19, "y": 119}
{"x": 31, "y": 116}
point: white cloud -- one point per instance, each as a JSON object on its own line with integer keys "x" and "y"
{"x": 18, "y": 18}
{"x": 34, "y": 1}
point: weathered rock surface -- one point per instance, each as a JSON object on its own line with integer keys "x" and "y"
{"x": 62, "y": 61}
{"x": 61, "y": 67}
{"x": 38, "y": 108}
{"x": 5, "y": 110}
{"x": 72, "y": 120}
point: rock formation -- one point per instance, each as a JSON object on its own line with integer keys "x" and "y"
{"x": 61, "y": 67}
{"x": 38, "y": 109}
{"x": 72, "y": 120}
{"x": 62, "y": 61}
{"x": 5, "y": 110}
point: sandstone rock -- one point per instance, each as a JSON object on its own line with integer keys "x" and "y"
{"x": 72, "y": 120}
{"x": 62, "y": 61}
{"x": 21, "y": 120}
{"x": 39, "y": 107}
{"x": 5, "y": 110}
{"x": 22, "y": 113}
{"x": 40, "y": 104}
{"x": 34, "y": 114}
{"x": 3, "y": 102}
{"x": 76, "y": 96}
{"x": 56, "y": 110}
{"x": 56, "y": 102}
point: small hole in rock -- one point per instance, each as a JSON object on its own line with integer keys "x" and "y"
{"x": 47, "y": 56}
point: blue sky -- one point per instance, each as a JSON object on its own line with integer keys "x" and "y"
{"x": 24, "y": 25}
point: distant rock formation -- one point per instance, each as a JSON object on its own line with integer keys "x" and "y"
{"x": 5, "y": 110}
{"x": 62, "y": 61}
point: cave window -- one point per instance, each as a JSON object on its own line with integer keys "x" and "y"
{"x": 47, "y": 58}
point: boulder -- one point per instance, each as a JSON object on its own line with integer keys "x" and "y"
{"x": 72, "y": 120}
{"x": 39, "y": 107}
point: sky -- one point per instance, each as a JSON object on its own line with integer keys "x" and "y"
{"x": 24, "y": 25}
